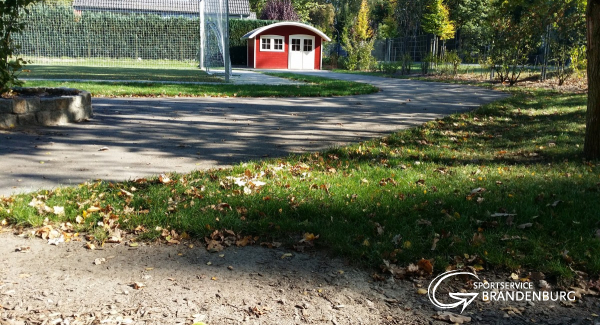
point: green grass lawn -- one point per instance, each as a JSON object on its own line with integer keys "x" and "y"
{"x": 502, "y": 187}
{"x": 189, "y": 74}
{"x": 315, "y": 87}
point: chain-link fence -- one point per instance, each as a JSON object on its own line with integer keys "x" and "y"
{"x": 416, "y": 47}
{"x": 125, "y": 33}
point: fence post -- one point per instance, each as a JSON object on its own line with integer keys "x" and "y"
{"x": 201, "y": 47}
{"x": 546, "y": 53}
{"x": 226, "y": 49}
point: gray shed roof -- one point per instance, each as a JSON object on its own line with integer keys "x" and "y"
{"x": 236, "y": 7}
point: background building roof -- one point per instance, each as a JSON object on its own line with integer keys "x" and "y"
{"x": 176, "y": 7}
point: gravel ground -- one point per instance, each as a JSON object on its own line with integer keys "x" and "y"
{"x": 183, "y": 284}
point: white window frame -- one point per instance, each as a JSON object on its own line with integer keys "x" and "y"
{"x": 272, "y": 39}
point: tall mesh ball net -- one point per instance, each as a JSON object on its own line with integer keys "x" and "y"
{"x": 126, "y": 33}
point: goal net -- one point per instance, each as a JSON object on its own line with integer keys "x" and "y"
{"x": 126, "y": 33}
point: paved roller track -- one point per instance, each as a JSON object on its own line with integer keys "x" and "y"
{"x": 156, "y": 135}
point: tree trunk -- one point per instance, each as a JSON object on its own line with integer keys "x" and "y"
{"x": 592, "y": 132}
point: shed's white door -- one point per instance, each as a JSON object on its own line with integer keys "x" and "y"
{"x": 302, "y": 52}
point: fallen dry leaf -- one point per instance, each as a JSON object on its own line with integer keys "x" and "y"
{"x": 544, "y": 286}
{"x": 271, "y": 245}
{"x": 103, "y": 149}
{"x": 93, "y": 209}
{"x": 137, "y": 285}
{"x": 309, "y": 237}
{"x": 99, "y": 261}
{"x": 23, "y": 249}
{"x": 164, "y": 179}
{"x": 497, "y": 214}
{"x": 286, "y": 255}
{"x": 512, "y": 309}
{"x": 126, "y": 193}
{"x": 243, "y": 241}
{"x": 422, "y": 291}
{"x": 426, "y": 266}
{"x": 555, "y": 203}
{"x": 423, "y": 222}
{"x": 452, "y": 318}
{"x": 478, "y": 239}
{"x": 478, "y": 190}
{"x": 59, "y": 211}
{"x": 525, "y": 225}
{"x": 213, "y": 246}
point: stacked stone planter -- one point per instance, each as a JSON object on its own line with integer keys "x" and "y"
{"x": 45, "y": 106}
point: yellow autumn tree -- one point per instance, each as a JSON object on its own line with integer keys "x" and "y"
{"x": 358, "y": 41}
{"x": 362, "y": 30}
{"x": 436, "y": 20}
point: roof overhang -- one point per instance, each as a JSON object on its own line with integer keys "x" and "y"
{"x": 258, "y": 31}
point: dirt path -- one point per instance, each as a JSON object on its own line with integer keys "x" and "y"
{"x": 155, "y": 135}
{"x": 67, "y": 284}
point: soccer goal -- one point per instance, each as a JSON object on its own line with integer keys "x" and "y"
{"x": 169, "y": 34}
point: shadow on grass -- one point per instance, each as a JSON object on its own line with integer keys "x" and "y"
{"x": 191, "y": 74}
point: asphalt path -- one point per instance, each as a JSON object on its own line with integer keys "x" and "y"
{"x": 149, "y": 136}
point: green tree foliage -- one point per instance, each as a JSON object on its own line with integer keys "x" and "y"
{"x": 358, "y": 41}
{"x": 388, "y": 28}
{"x": 257, "y": 5}
{"x": 568, "y": 35}
{"x": 472, "y": 34}
{"x": 323, "y": 18}
{"x": 436, "y": 20}
{"x": 345, "y": 12}
{"x": 409, "y": 14}
{"x": 304, "y": 7}
{"x": 10, "y": 25}
{"x": 515, "y": 33}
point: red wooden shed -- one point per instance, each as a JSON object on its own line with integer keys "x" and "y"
{"x": 286, "y": 45}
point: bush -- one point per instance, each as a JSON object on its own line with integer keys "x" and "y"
{"x": 453, "y": 60}
{"x": 387, "y": 67}
{"x": 406, "y": 64}
{"x": 10, "y": 25}
{"x": 427, "y": 62}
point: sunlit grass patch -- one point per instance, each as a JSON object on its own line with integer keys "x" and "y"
{"x": 315, "y": 87}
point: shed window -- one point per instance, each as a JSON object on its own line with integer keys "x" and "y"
{"x": 295, "y": 45}
{"x": 265, "y": 44}
{"x": 271, "y": 43}
{"x": 308, "y": 45}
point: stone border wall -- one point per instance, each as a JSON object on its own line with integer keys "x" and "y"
{"x": 49, "y": 110}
